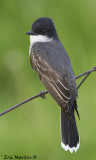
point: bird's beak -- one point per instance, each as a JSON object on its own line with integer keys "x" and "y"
{"x": 31, "y": 33}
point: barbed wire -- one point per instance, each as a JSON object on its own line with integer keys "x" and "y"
{"x": 43, "y": 93}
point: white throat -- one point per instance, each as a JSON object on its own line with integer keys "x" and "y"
{"x": 39, "y": 38}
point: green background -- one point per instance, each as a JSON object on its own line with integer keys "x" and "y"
{"x": 34, "y": 128}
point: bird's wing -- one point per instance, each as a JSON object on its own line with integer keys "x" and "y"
{"x": 55, "y": 84}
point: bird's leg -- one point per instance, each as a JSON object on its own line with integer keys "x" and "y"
{"x": 85, "y": 73}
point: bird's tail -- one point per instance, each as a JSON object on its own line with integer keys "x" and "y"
{"x": 69, "y": 133}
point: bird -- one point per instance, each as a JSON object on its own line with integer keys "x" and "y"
{"x": 50, "y": 60}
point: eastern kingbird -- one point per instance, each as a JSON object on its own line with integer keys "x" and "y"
{"x": 52, "y": 64}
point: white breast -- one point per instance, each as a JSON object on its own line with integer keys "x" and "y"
{"x": 38, "y": 38}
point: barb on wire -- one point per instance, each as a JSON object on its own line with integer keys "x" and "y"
{"x": 86, "y": 74}
{"x": 42, "y": 93}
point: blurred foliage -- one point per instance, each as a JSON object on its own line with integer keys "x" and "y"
{"x": 34, "y": 128}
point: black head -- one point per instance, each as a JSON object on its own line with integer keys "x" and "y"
{"x": 43, "y": 26}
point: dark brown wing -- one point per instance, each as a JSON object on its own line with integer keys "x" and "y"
{"x": 55, "y": 84}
